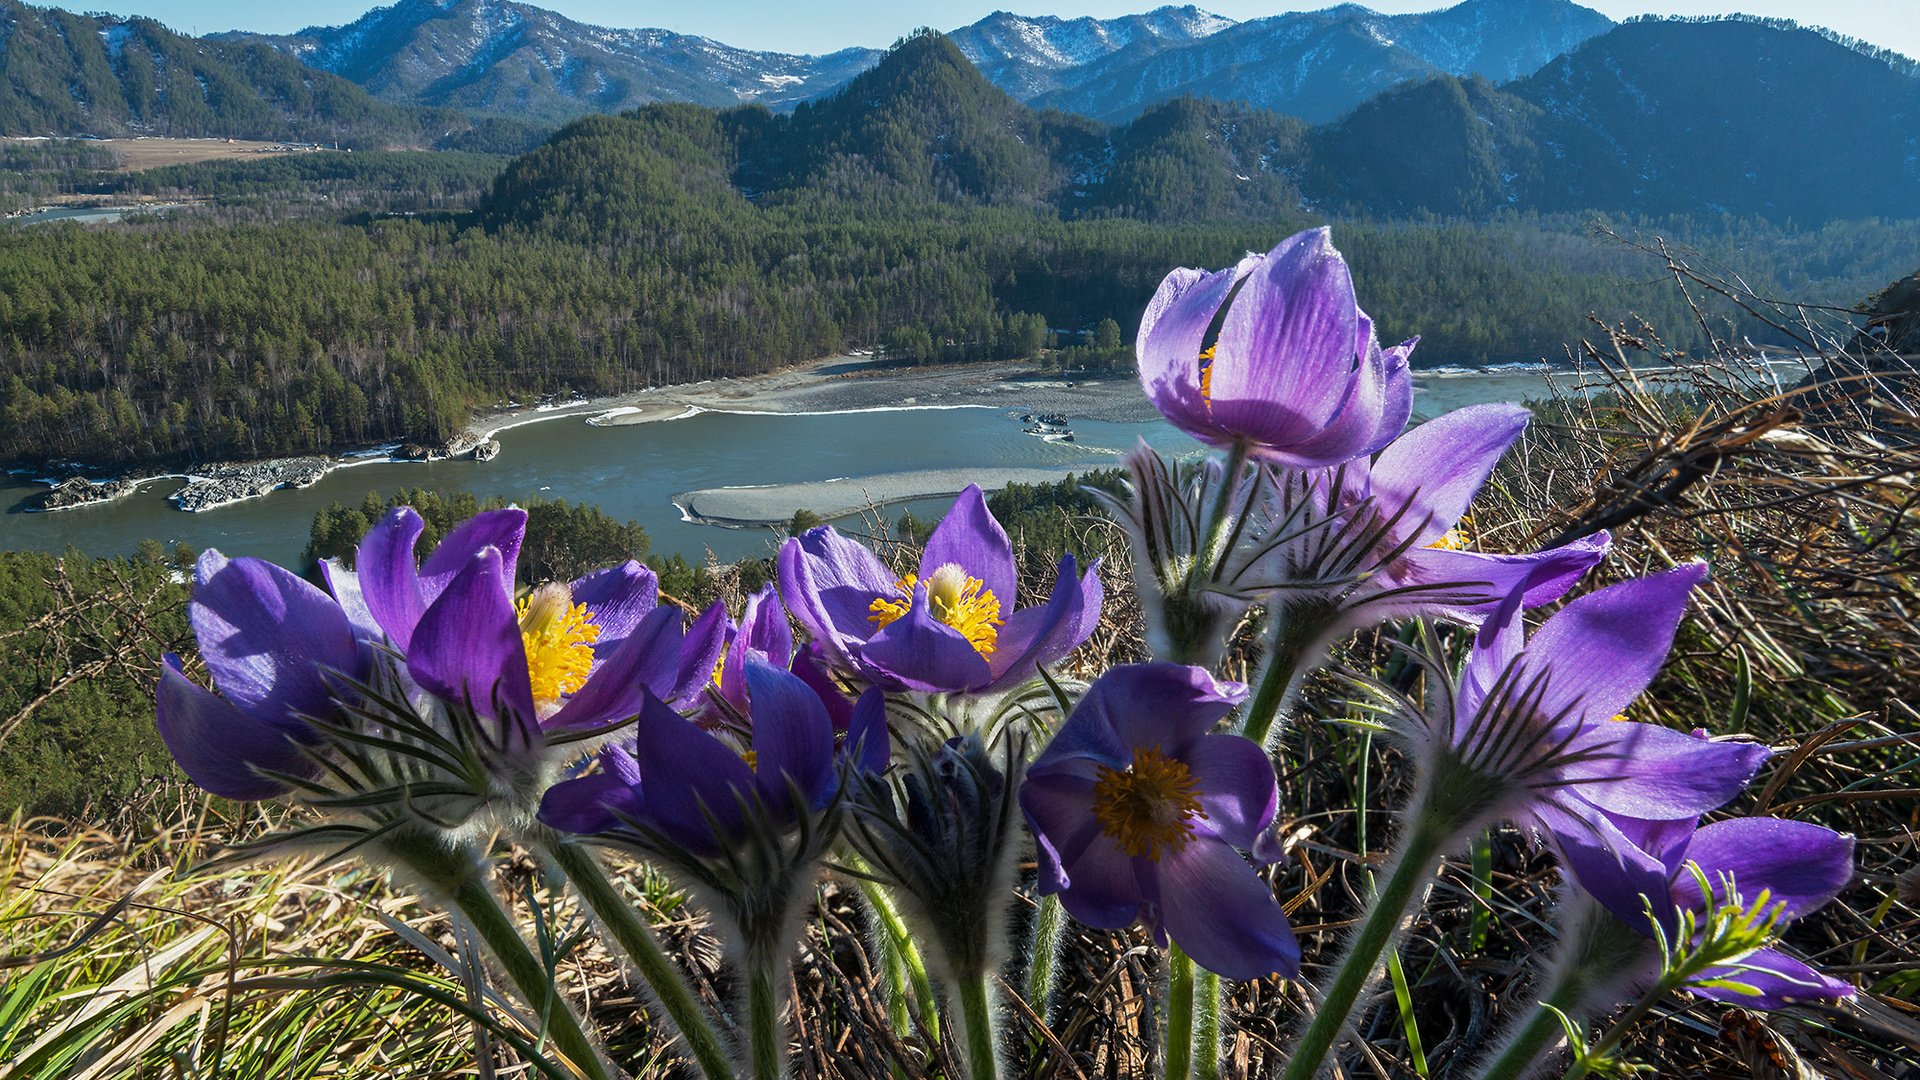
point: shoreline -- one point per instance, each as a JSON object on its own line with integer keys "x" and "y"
{"x": 847, "y": 383}
{"x": 773, "y": 505}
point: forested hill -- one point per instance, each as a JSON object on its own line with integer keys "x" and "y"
{"x": 1651, "y": 118}
{"x": 106, "y": 76}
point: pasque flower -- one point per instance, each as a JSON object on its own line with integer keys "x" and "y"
{"x": 761, "y": 635}
{"x": 702, "y": 792}
{"x": 1140, "y": 813}
{"x": 949, "y": 627}
{"x": 1296, "y": 376}
{"x": 570, "y": 656}
{"x": 1796, "y": 865}
{"x": 274, "y": 645}
{"x": 1539, "y": 722}
{"x": 1387, "y": 545}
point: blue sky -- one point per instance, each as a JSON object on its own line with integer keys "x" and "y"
{"x": 787, "y": 26}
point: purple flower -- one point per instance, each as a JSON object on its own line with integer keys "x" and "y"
{"x": 761, "y": 636}
{"x": 1138, "y": 809}
{"x": 1539, "y": 722}
{"x": 569, "y": 656}
{"x": 1799, "y": 866}
{"x": 951, "y": 627}
{"x": 1296, "y": 375}
{"x": 1417, "y": 491}
{"x": 698, "y": 792}
{"x": 272, "y": 643}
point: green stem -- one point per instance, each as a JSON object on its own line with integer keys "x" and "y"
{"x": 643, "y": 950}
{"x": 1543, "y": 1030}
{"x": 980, "y": 1035}
{"x": 896, "y": 940}
{"x": 1209, "y": 555}
{"x": 1049, "y": 924}
{"x": 1598, "y": 1051}
{"x": 1597, "y": 952}
{"x": 1298, "y": 630}
{"x": 1178, "y": 1050}
{"x": 766, "y": 1046}
{"x": 1206, "y": 1026}
{"x": 1429, "y": 837}
{"x": 459, "y": 877}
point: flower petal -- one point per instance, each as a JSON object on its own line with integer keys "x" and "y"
{"x": 646, "y": 661}
{"x": 1036, "y": 636}
{"x": 1468, "y": 586}
{"x": 1799, "y": 864}
{"x": 268, "y": 636}
{"x": 924, "y": 654}
{"x": 1172, "y": 334}
{"x": 1780, "y": 979}
{"x": 1435, "y": 470}
{"x": 829, "y": 583}
{"x": 969, "y": 537}
{"x": 810, "y": 667}
{"x": 692, "y": 782}
{"x": 1234, "y": 779}
{"x": 1284, "y": 366}
{"x": 595, "y": 803}
{"x": 699, "y": 653}
{"x": 868, "y": 746}
{"x": 499, "y": 529}
{"x": 467, "y": 647}
{"x": 1605, "y": 648}
{"x": 344, "y": 584}
{"x": 617, "y": 597}
{"x": 1164, "y": 705}
{"x": 219, "y": 747}
{"x": 1607, "y": 864}
{"x": 1647, "y": 771}
{"x": 1223, "y": 915}
{"x": 792, "y": 737}
{"x": 388, "y": 578}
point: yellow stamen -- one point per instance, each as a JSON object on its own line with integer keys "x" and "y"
{"x": 1206, "y": 376}
{"x": 752, "y": 759}
{"x": 559, "y": 636}
{"x": 1455, "y": 540}
{"x": 1148, "y": 808}
{"x": 962, "y": 602}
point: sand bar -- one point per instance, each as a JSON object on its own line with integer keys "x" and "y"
{"x": 775, "y": 504}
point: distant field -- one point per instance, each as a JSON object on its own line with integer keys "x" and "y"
{"x": 138, "y": 154}
{"x": 134, "y": 155}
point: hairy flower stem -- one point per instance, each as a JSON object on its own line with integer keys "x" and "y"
{"x": 1300, "y": 631}
{"x": 1430, "y": 835}
{"x": 1178, "y": 1050}
{"x": 1206, "y": 1026}
{"x": 766, "y": 1041}
{"x": 979, "y": 1035}
{"x": 1598, "y": 953}
{"x": 1210, "y": 552}
{"x": 458, "y": 876}
{"x": 898, "y": 949}
{"x": 643, "y": 950}
{"x": 1049, "y": 925}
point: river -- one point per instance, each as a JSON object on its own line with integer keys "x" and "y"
{"x": 635, "y": 471}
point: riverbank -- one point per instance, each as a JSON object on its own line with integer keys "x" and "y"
{"x": 774, "y": 505}
{"x": 839, "y": 384}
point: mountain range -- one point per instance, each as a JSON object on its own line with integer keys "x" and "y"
{"x": 510, "y": 58}
{"x": 1484, "y": 107}
{"x": 1619, "y": 124}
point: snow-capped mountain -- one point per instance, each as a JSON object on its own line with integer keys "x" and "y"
{"x": 1030, "y": 55}
{"x": 515, "y": 59}
{"x": 1317, "y": 65}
